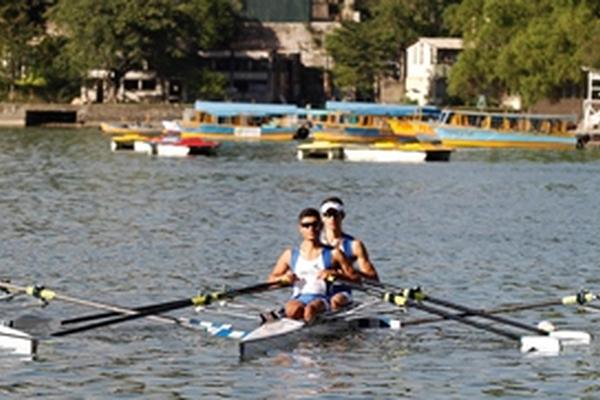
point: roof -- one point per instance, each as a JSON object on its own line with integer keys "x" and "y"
{"x": 441, "y": 42}
{"x": 392, "y": 110}
{"x": 255, "y": 109}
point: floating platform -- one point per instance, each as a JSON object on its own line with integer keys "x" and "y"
{"x": 377, "y": 152}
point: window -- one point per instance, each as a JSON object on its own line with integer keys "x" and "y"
{"x": 149, "y": 84}
{"x": 130, "y": 84}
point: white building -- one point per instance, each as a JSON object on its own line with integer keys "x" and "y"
{"x": 141, "y": 86}
{"x": 428, "y": 62}
{"x": 591, "y": 105}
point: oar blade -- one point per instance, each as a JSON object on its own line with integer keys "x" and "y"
{"x": 545, "y": 345}
{"x": 572, "y": 338}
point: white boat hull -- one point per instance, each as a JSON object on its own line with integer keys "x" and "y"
{"x": 284, "y": 334}
{"x": 142, "y": 146}
{"x": 172, "y": 150}
{"x": 16, "y": 342}
{"x": 376, "y": 155}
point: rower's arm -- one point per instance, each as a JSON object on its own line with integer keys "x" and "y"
{"x": 282, "y": 267}
{"x": 346, "y": 270}
{"x": 366, "y": 268}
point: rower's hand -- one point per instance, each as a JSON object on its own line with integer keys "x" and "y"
{"x": 327, "y": 275}
{"x": 288, "y": 279}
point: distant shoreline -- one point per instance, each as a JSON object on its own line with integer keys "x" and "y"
{"x": 65, "y": 115}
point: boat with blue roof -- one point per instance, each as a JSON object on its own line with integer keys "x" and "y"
{"x": 482, "y": 129}
{"x": 225, "y": 121}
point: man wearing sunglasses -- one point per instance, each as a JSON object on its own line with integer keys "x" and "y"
{"x": 309, "y": 267}
{"x": 332, "y": 212}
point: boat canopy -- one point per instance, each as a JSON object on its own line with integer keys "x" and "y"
{"x": 226, "y": 109}
{"x": 390, "y": 110}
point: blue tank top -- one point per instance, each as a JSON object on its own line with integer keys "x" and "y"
{"x": 346, "y": 248}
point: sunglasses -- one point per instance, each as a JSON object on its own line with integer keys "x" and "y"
{"x": 331, "y": 213}
{"x": 314, "y": 224}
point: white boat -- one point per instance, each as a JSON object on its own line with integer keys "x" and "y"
{"x": 16, "y": 342}
{"x": 285, "y": 333}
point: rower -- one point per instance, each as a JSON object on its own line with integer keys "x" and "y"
{"x": 332, "y": 212}
{"x": 309, "y": 267}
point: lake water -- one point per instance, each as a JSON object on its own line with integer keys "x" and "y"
{"x": 490, "y": 227}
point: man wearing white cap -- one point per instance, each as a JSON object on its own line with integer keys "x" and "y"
{"x": 332, "y": 212}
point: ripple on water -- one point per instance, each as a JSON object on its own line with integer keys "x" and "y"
{"x": 490, "y": 227}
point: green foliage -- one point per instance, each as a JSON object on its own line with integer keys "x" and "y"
{"x": 62, "y": 82}
{"x": 20, "y": 25}
{"x": 121, "y": 35}
{"x": 208, "y": 85}
{"x": 365, "y": 52}
{"x": 525, "y": 47}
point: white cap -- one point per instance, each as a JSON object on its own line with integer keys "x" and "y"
{"x": 332, "y": 205}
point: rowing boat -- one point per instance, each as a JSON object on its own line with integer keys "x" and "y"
{"x": 14, "y": 341}
{"x": 285, "y": 333}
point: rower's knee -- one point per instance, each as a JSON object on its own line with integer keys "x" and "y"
{"x": 312, "y": 309}
{"x": 294, "y": 310}
{"x": 338, "y": 301}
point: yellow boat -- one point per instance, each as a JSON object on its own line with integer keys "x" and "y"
{"x": 479, "y": 129}
{"x": 131, "y": 129}
{"x": 126, "y": 142}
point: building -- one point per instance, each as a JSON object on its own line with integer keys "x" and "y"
{"x": 280, "y": 56}
{"x": 139, "y": 86}
{"x": 428, "y": 63}
{"x": 591, "y": 105}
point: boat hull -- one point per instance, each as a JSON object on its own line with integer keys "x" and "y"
{"x": 481, "y": 138}
{"x": 284, "y": 334}
{"x": 130, "y": 129}
{"x": 238, "y": 133}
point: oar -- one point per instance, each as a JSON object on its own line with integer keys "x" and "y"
{"x": 93, "y": 317}
{"x": 47, "y": 295}
{"x": 579, "y": 299}
{"x": 200, "y": 300}
{"x": 468, "y": 311}
{"x": 543, "y": 342}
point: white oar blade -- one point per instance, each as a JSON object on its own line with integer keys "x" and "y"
{"x": 572, "y": 338}
{"x": 17, "y": 342}
{"x": 540, "y": 344}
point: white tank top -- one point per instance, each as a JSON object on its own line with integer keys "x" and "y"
{"x": 308, "y": 271}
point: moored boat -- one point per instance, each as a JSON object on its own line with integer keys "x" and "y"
{"x": 131, "y": 129}
{"x": 182, "y": 147}
{"x": 175, "y": 146}
{"x": 242, "y": 121}
{"x": 478, "y": 129}
{"x": 356, "y": 122}
{"x": 126, "y": 142}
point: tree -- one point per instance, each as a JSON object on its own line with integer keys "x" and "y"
{"x": 21, "y": 23}
{"x": 367, "y": 51}
{"x": 123, "y": 35}
{"x": 524, "y": 47}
